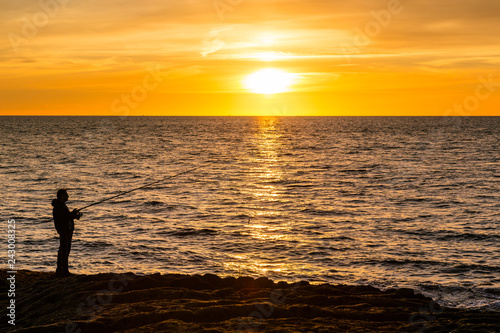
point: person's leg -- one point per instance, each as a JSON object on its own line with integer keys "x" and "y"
{"x": 60, "y": 255}
{"x": 64, "y": 249}
{"x": 68, "y": 242}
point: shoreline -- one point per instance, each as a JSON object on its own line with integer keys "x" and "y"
{"x": 110, "y": 302}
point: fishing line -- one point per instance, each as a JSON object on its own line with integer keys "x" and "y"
{"x": 138, "y": 188}
{"x": 147, "y": 185}
{"x": 144, "y": 186}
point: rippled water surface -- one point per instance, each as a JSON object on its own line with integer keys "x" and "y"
{"x": 410, "y": 202}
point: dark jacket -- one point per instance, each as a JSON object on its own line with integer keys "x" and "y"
{"x": 63, "y": 218}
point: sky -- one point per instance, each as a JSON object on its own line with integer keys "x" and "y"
{"x": 192, "y": 57}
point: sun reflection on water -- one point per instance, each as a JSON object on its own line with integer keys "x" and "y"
{"x": 267, "y": 165}
{"x": 268, "y": 224}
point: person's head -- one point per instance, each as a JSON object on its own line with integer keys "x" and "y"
{"x": 62, "y": 195}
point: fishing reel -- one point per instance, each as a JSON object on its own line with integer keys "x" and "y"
{"x": 77, "y": 214}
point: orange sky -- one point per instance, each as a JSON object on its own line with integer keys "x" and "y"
{"x": 164, "y": 57}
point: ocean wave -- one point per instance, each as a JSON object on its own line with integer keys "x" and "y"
{"x": 415, "y": 232}
{"x": 467, "y": 236}
{"x": 184, "y": 232}
{"x": 472, "y": 268}
{"x": 37, "y": 242}
{"x": 463, "y": 297}
{"x": 336, "y": 238}
{"x": 296, "y": 185}
{"x": 153, "y": 203}
{"x": 421, "y": 263}
{"x": 93, "y": 244}
{"x": 323, "y": 212}
{"x": 418, "y": 199}
{"x": 353, "y": 171}
{"x": 118, "y": 202}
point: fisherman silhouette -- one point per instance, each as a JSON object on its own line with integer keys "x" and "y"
{"x": 64, "y": 223}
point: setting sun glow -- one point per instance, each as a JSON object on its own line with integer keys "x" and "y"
{"x": 250, "y": 58}
{"x": 269, "y": 81}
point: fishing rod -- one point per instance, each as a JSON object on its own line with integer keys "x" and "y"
{"x": 147, "y": 185}
{"x": 143, "y": 186}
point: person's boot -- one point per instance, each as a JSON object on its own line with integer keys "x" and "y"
{"x": 65, "y": 267}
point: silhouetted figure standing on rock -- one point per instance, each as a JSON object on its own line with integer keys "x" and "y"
{"x": 64, "y": 223}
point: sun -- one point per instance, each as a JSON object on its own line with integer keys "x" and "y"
{"x": 269, "y": 81}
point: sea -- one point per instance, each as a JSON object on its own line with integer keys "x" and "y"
{"x": 390, "y": 202}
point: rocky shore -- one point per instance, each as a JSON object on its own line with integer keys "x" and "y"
{"x": 193, "y": 303}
